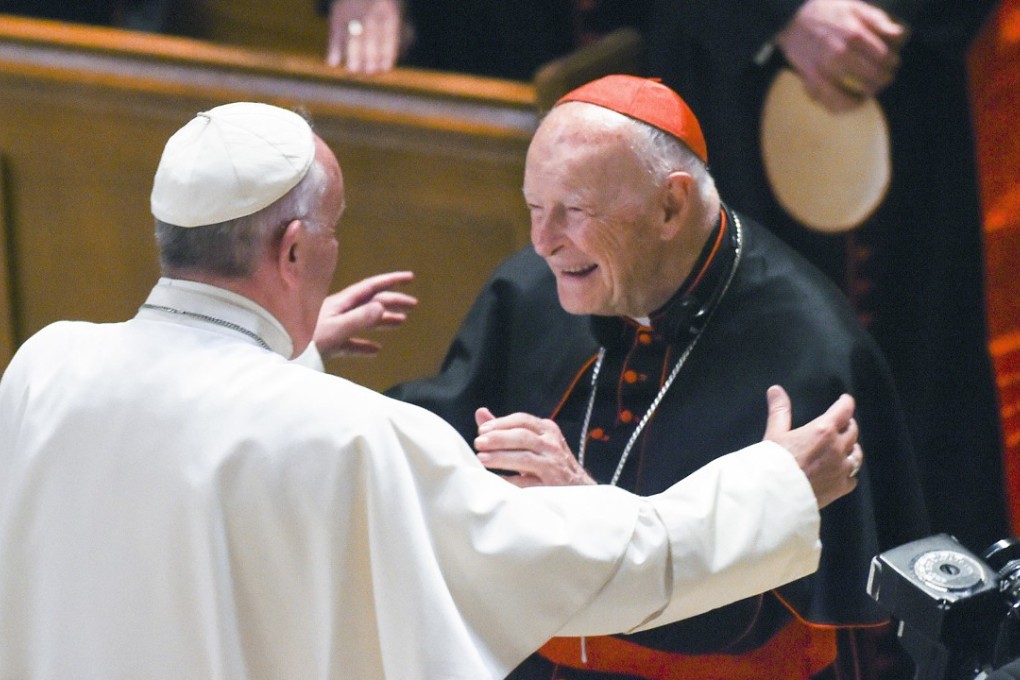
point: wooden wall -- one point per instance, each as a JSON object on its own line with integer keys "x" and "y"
{"x": 432, "y": 164}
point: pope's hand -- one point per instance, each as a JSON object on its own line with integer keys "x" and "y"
{"x": 531, "y": 447}
{"x": 366, "y": 305}
{"x": 825, "y": 448}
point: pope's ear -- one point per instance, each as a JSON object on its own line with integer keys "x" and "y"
{"x": 288, "y": 248}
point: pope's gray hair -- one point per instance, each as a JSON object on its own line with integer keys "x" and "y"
{"x": 232, "y": 249}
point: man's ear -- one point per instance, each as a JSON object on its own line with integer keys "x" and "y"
{"x": 289, "y": 254}
{"x": 677, "y": 193}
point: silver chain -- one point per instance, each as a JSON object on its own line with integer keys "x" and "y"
{"x": 213, "y": 320}
{"x": 665, "y": 386}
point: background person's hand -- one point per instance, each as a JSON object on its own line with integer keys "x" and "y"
{"x": 844, "y": 50}
{"x": 369, "y": 304}
{"x": 825, "y": 448}
{"x": 364, "y": 35}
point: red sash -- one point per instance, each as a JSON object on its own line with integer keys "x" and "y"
{"x": 796, "y": 652}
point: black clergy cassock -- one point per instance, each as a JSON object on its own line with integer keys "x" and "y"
{"x": 778, "y": 321}
{"x": 915, "y": 268}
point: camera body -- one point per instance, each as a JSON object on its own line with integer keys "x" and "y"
{"x": 957, "y": 612}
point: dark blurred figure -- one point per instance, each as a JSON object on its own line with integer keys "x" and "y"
{"x": 139, "y": 15}
{"x": 509, "y": 39}
{"x": 914, "y": 270}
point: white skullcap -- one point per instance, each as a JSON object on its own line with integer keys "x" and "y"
{"x": 830, "y": 171}
{"x": 229, "y": 162}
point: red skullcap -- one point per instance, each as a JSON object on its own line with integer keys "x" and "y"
{"x": 647, "y": 100}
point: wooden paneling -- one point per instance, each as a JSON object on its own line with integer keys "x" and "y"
{"x": 432, "y": 165}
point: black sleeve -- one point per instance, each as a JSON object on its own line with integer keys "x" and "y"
{"x": 516, "y": 350}
{"x": 474, "y": 370}
{"x": 730, "y": 32}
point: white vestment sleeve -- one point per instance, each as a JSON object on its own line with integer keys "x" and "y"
{"x": 744, "y": 524}
{"x": 266, "y": 521}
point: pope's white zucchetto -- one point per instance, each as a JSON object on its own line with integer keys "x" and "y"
{"x": 229, "y": 162}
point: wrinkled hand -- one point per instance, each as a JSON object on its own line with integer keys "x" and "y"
{"x": 825, "y": 448}
{"x": 364, "y": 35}
{"x": 532, "y": 447}
{"x": 845, "y": 50}
{"x": 366, "y": 305}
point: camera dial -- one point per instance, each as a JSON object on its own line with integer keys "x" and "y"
{"x": 949, "y": 570}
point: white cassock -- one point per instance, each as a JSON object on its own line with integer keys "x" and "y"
{"x": 179, "y": 502}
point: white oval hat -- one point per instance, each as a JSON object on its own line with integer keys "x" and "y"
{"x": 830, "y": 171}
{"x": 230, "y": 161}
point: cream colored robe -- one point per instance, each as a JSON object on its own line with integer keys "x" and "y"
{"x": 177, "y": 502}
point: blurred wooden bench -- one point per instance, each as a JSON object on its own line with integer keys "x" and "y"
{"x": 293, "y": 26}
{"x": 433, "y": 165}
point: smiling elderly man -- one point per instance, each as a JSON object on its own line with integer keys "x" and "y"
{"x": 634, "y": 348}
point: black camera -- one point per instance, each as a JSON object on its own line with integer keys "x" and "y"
{"x": 958, "y": 614}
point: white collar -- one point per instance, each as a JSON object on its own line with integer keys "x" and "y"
{"x": 194, "y": 303}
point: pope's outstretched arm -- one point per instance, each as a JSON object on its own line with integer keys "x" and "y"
{"x": 614, "y": 562}
{"x": 748, "y": 522}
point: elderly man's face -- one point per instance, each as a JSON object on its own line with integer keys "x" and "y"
{"x": 596, "y": 215}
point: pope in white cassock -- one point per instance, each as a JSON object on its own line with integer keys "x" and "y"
{"x": 178, "y": 499}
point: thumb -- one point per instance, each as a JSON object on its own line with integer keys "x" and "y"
{"x": 780, "y": 413}
{"x": 482, "y": 416}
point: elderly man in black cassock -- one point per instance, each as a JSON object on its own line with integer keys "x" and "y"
{"x": 649, "y": 312}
